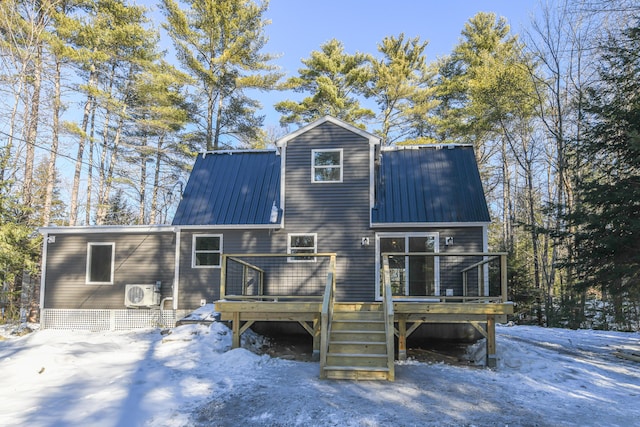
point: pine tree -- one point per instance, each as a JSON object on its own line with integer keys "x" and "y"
{"x": 334, "y": 80}
{"x": 401, "y": 85}
{"x": 607, "y": 216}
{"x": 219, "y": 43}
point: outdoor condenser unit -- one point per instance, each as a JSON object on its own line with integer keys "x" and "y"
{"x": 141, "y": 295}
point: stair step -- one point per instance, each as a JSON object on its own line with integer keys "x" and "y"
{"x": 366, "y": 360}
{"x": 349, "y": 342}
{"x": 339, "y": 325}
{"x": 352, "y": 347}
{"x": 354, "y": 368}
{"x": 358, "y": 355}
{"x": 358, "y": 315}
{"x": 356, "y": 373}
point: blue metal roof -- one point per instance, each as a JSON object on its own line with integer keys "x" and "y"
{"x": 438, "y": 184}
{"x": 231, "y": 188}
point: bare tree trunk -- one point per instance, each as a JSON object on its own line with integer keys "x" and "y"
{"x": 156, "y": 181}
{"x": 32, "y": 128}
{"x": 143, "y": 181}
{"x": 73, "y": 211}
{"x": 92, "y": 143}
{"x": 51, "y": 167}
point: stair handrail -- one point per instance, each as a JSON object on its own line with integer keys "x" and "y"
{"x": 326, "y": 314}
{"x": 387, "y": 303}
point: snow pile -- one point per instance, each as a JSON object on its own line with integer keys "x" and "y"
{"x": 190, "y": 377}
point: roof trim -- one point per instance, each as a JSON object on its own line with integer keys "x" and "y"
{"x": 427, "y": 224}
{"x": 182, "y": 227}
{"x": 373, "y": 139}
{"x": 239, "y": 151}
{"x": 107, "y": 229}
{"x": 418, "y": 146}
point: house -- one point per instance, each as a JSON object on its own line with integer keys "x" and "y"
{"x": 326, "y": 225}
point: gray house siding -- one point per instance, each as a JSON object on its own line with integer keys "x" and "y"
{"x": 465, "y": 239}
{"x": 139, "y": 258}
{"x": 337, "y": 212}
{"x": 198, "y": 284}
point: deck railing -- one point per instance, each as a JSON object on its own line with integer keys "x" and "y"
{"x": 389, "y": 317}
{"x": 446, "y": 276}
{"x": 275, "y": 277}
{"x": 326, "y": 315}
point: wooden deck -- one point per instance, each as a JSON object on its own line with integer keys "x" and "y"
{"x": 408, "y": 316}
{"x": 346, "y": 344}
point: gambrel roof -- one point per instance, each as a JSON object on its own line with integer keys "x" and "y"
{"x": 429, "y": 184}
{"x": 232, "y": 188}
{"x": 414, "y": 186}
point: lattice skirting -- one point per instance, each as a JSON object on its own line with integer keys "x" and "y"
{"x": 108, "y": 320}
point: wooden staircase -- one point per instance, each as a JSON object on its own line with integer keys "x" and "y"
{"x": 358, "y": 343}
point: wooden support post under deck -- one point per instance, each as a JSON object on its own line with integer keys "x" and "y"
{"x": 491, "y": 342}
{"x": 402, "y": 338}
{"x": 235, "y": 327}
{"x": 316, "y": 339}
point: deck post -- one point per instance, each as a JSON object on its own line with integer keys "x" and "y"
{"x": 402, "y": 338}
{"x": 491, "y": 342}
{"x": 235, "y": 327}
{"x": 315, "y": 356}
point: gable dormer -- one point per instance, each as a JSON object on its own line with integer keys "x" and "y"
{"x": 327, "y": 173}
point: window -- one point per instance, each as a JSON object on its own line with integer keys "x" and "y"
{"x": 326, "y": 165}
{"x": 207, "y": 250}
{"x": 410, "y": 275}
{"x": 100, "y": 262}
{"x": 302, "y": 244}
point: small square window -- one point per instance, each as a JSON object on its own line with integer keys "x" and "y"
{"x": 100, "y": 263}
{"x": 207, "y": 251}
{"x": 302, "y": 244}
{"x": 326, "y": 165}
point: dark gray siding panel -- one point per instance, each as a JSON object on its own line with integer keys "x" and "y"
{"x": 465, "y": 239}
{"x": 139, "y": 258}
{"x": 204, "y": 283}
{"x": 337, "y": 212}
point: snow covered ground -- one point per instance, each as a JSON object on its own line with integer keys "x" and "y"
{"x": 545, "y": 377}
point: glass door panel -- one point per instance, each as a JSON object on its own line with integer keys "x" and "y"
{"x": 397, "y": 266}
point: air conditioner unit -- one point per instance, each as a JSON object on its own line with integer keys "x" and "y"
{"x": 141, "y": 296}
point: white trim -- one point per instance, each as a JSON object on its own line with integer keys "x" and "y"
{"x": 427, "y": 224}
{"x": 176, "y": 270}
{"x": 283, "y": 169}
{"x": 239, "y": 151}
{"x": 88, "y": 260}
{"x": 43, "y": 270}
{"x": 187, "y": 227}
{"x": 373, "y": 139}
{"x": 419, "y": 146}
{"x": 314, "y": 166}
{"x": 107, "y": 229}
{"x": 372, "y": 180}
{"x": 315, "y": 246}
{"x": 407, "y": 235}
{"x": 193, "y": 251}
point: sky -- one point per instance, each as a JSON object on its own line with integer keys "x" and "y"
{"x": 190, "y": 377}
{"x": 299, "y": 27}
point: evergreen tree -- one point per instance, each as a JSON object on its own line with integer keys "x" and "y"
{"x": 607, "y": 214}
{"x": 219, "y": 43}
{"x": 334, "y": 80}
{"x": 401, "y": 85}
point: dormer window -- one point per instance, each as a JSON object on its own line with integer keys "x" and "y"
{"x": 326, "y": 165}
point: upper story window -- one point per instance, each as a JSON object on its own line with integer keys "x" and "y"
{"x": 207, "y": 250}
{"x": 326, "y": 165}
{"x": 100, "y": 263}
